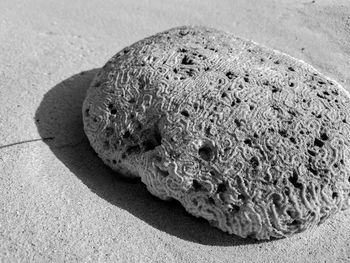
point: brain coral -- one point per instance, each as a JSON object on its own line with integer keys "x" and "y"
{"x": 249, "y": 138}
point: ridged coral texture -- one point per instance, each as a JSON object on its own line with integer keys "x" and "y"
{"x": 249, "y": 138}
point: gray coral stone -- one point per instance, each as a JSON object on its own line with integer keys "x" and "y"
{"x": 249, "y": 138}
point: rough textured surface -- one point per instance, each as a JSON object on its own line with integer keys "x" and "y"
{"x": 251, "y": 139}
{"x": 59, "y": 202}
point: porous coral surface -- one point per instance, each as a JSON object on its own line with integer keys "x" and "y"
{"x": 249, "y": 138}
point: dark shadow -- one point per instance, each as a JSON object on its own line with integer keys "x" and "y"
{"x": 59, "y": 118}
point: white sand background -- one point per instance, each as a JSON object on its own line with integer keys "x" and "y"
{"x": 58, "y": 202}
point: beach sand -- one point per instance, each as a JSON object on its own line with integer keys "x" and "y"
{"x": 59, "y": 202}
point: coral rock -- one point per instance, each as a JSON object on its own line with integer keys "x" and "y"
{"x": 247, "y": 137}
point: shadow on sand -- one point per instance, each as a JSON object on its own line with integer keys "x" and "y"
{"x": 59, "y": 123}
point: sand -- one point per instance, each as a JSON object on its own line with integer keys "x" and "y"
{"x": 59, "y": 202}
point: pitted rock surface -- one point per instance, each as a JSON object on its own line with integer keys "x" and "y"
{"x": 249, "y": 138}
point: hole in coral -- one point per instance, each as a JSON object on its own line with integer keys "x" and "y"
{"x": 291, "y": 112}
{"x": 230, "y": 75}
{"x": 335, "y": 92}
{"x": 254, "y": 161}
{"x": 276, "y": 198}
{"x": 334, "y": 195}
{"x": 153, "y": 141}
{"x": 291, "y": 84}
{"x": 153, "y": 138}
{"x": 283, "y": 133}
{"x": 251, "y": 107}
{"x": 163, "y": 173}
{"x": 241, "y": 197}
{"x": 113, "y": 111}
{"x": 114, "y": 161}
{"x": 190, "y": 72}
{"x": 286, "y": 191}
{"x": 196, "y": 185}
{"x": 141, "y": 83}
{"x": 183, "y": 33}
{"x": 246, "y": 79}
{"x": 312, "y": 170}
{"x": 132, "y": 100}
{"x": 294, "y": 180}
{"x": 275, "y": 89}
{"x": 290, "y": 213}
{"x": 87, "y": 113}
{"x": 233, "y": 103}
{"x": 187, "y": 61}
{"x": 138, "y": 125}
{"x": 295, "y": 222}
{"x": 206, "y": 152}
{"x": 126, "y": 134}
{"x": 97, "y": 84}
{"x": 291, "y": 69}
{"x": 207, "y": 131}
{"x": 221, "y": 188}
{"x": 324, "y": 137}
{"x": 277, "y": 62}
{"x": 185, "y": 113}
{"x": 248, "y": 142}
{"x": 238, "y": 123}
{"x": 134, "y": 149}
{"x": 224, "y": 95}
{"x": 234, "y": 208}
{"x": 213, "y": 174}
{"x": 292, "y": 139}
{"x": 311, "y": 152}
{"x": 211, "y": 201}
{"x": 182, "y": 50}
{"x": 318, "y": 142}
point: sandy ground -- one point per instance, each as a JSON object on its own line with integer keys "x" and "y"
{"x": 58, "y": 202}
